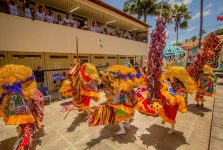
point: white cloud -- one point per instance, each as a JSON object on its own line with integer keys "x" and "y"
{"x": 187, "y": 2}
{"x": 205, "y": 13}
{"x": 209, "y": 6}
{"x": 173, "y": 42}
{"x": 191, "y": 29}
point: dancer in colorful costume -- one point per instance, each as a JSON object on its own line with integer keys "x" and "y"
{"x": 200, "y": 70}
{"x": 205, "y": 84}
{"x": 165, "y": 92}
{"x": 121, "y": 100}
{"x": 81, "y": 85}
{"x": 177, "y": 83}
{"x": 20, "y": 103}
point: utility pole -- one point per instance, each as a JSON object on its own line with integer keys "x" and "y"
{"x": 201, "y": 22}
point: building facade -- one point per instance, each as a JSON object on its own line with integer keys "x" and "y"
{"x": 53, "y": 47}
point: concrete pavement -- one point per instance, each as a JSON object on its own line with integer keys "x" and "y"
{"x": 193, "y": 131}
{"x": 216, "y": 140}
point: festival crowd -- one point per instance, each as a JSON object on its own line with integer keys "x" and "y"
{"x": 20, "y": 8}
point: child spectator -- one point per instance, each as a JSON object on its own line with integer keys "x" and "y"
{"x": 49, "y": 17}
{"x": 13, "y": 8}
{"x": 27, "y": 11}
{"x": 66, "y": 20}
{"x": 40, "y": 15}
{"x": 59, "y": 20}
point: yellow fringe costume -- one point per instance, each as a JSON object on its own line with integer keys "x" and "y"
{"x": 177, "y": 83}
{"x": 81, "y": 84}
{"x": 20, "y": 102}
{"x": 121, "y": 99}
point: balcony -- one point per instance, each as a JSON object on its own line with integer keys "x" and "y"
{"x": 22, "y": 34}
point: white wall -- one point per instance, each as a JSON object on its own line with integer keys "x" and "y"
{"x": 21, "y": 34}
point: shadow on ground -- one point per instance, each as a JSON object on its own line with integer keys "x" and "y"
{"x": 198, "y": 110}
{"x": 77, "y": 121}
{"x": 159, "y": 138}
{"x": 108, "y": 132}
{"x": 66, "y": 103}
{"x": 7, "y": 144}
{"x": 36, "y": 138}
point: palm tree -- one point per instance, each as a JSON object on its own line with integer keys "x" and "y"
{"x": 193, "y": 39}
{"x": 180, "y": 17}
{"x": 144, "y": 8}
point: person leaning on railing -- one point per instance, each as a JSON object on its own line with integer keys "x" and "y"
{"x": 66, "y": 20}
{"x": 24, "y": 10}
{"x": 49, "y": 17}
{"x": 40, "y": 15}
{"x": 13, "y": 8}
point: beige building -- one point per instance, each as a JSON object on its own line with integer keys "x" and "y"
{"x": 53, "y": 47}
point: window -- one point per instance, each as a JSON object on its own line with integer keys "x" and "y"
{"x": 99, "y": 57}
{"x": 82, "y": 57}
{"x": 111, "y": 57}
{"x": 2, "y": 56}
{"x": 122, "y": 57}
{"x": 25, "y": 56}
{"x": 56, "y": 56}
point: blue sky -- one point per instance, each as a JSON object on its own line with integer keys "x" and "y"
{"x": 212, "y": 8}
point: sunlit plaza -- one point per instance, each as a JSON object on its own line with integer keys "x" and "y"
{"x": 116, "y": 75}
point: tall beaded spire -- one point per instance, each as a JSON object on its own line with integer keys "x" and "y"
{"x": 155, "y": 57}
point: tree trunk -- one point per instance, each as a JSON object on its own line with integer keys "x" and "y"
{"x": 145, "y": 16}
{"x": 201, "y": 22}
{"x": 177, "y": 36}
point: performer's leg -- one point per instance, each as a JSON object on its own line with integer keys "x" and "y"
{"x": 122, "y": 129}
{"x": 202, "y": 102}
{"x": 127, "y": 124}
{"x": 171, "y": 129}
{"x": 198, "y": 98}
{"x": 88, "y": 111}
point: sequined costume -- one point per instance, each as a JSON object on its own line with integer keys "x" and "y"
{"x": 177, "y": 83}
{"x": 20, "y": 103}
{"x": 205, "y": 84}
{"x": 121, "y": 99}
{"x": 81, "y": 85}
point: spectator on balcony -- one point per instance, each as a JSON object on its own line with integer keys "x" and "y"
{"x": 105, "y": 31}
{"x": 13, "y": 8}
{"x": 27, "y": 11}
{"x": 21, "y": 8}
{"x": 94, "y": 27}
{"x": 74, "y": 23}
{"x": 85, "y": 26}
{"x": 49, "y": 17}
{"x": 40, "y": 15}
{"x": 59, "y": 20}
{"x": 100, "y": 28}
{"x": 66, "y": 20}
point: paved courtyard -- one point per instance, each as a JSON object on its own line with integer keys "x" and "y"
{"x": 193, "y": 130}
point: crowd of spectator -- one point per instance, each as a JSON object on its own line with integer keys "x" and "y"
{"x": 24, "y": 10}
